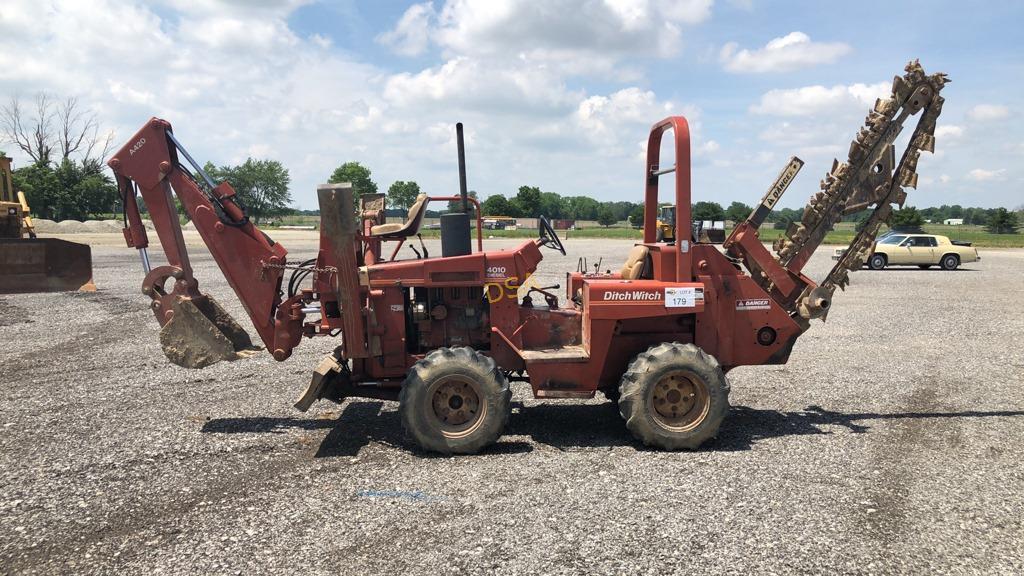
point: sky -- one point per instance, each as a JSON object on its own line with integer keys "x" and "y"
{"x": 558, "y": 94}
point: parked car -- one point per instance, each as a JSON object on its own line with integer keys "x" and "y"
{"x": 921, "y": 250}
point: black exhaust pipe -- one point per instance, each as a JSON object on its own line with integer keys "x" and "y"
{"x": 455, "y": 235}
{"x": 462, "y": 166}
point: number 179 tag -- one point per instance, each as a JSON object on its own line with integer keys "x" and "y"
{"x": 683, "y": 297}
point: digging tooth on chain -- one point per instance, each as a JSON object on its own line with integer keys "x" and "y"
{"x": 925, "y": 142}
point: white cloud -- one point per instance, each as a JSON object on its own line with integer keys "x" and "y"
{"x": 987, "y": 112}
{"x": 709, "y": 147}
{"x": 818, "y": 100}
{"x": 944, "y": 178}
{"x": 793, "y": 51}
{"x": 124, "y": 93}
{"x": 466, "y": 82}
{"x": 322, "y": 41}
{"x": 411, "y": 36}
{"x": 236, "y": 80}
{"x": 948, "y": 132}
{"x": 577, "y": 36}
{"x": 604, "y": 120}
{"x": 982, "y": 175}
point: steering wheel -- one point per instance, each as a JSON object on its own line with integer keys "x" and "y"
{"x": 548, "y": 237}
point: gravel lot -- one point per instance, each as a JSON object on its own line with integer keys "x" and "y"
{"x": 891, "y": 443}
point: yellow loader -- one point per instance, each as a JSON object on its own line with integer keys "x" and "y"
{"x": 31, "y": 264}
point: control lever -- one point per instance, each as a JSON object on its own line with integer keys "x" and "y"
{"x": 424, "y": 246}
{"x": 549, "y": 298}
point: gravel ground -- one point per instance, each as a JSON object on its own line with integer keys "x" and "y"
{"x": 891, "y": 443}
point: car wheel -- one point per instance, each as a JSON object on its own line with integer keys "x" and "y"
{"x": 876, "y": 262}
{"x": 950, "y": 262}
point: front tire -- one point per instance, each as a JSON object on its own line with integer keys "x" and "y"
{"x": 674, "y": 396}
{"x": 950, "y": 262}
{"x": 876, "y": 262}
{"x": 455, "y": 401}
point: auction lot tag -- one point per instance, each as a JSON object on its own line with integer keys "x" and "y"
{"x": 683, "y": 297}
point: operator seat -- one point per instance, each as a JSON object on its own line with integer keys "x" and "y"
{"x": 638, "y": 264}
{"x": 410, "y": 227}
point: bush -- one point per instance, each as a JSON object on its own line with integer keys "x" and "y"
{"x": 1002, "y": 221}
{"x": 907, "y": 220}
{"x": 605, "y": 217}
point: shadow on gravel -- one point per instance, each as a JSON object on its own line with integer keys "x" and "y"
{"x": 569, "y": 426}
{"x": 359, "y": 424}
{"x": 566, "y": 426}
{"x": 745, "y": 426}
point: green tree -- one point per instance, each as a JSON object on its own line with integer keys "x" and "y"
{"x": 582, "y": 207}
{"x": 261, "y": 185}
{"x": 606, "y": 216}
{"x": 784, "y": 217}
{"x": 68, "y": 190}
{"x": 1002, "y": 221}
{"x": 403, "y": 194}
{"x": 907, "y": 219}
{"x": 861, "y": 220}
{"x": 41, "y": 187}
{"x": 708, "y": 211}
{"x": 553, "y": 206}
{"x": 456, "y": 205}
{"x": 527, "y": 201}
{"x": 496, "y": 205}
{"x": 636, "y": 217}
{"x": 357, "y": 175}
{"x": 737, "y": 212}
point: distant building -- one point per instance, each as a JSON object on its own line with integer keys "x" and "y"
{"x": 953, "y": 221}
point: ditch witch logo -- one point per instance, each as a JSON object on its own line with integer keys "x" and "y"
{"x": 633, "y": 295}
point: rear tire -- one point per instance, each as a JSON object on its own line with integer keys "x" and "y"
{"x": 877, "y": 261}
{"x": 674, "y": 396}
{"x": 950, "y": 262}
{"x": 455, "y": 401}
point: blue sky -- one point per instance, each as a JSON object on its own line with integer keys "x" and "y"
{"x": 559, "y": 94}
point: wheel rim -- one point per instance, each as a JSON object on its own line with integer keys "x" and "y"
{"x": 456, "y": 407}
{"x": 950, "y": 262}
{"x": 679, "y": 401}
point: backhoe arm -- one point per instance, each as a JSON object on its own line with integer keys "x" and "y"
{"x": 195, "y": 330}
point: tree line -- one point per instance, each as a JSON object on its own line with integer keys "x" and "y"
{"x": 67, "y": 180}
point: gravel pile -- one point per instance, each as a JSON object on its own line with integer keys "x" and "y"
{"x": 891, "y": 443}
{"x": 44, "y": 226}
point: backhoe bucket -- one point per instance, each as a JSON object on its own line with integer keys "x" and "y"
{"x": 201, "y": 333}
{"x": 44, "y": 265}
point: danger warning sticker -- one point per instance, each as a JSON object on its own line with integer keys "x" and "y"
{"x": 753, "y": 304}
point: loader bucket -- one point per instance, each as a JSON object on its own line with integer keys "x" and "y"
{"x": 201, "y": 333}
{"x": 44, "y": 265}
